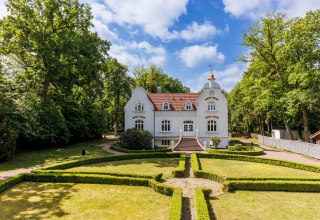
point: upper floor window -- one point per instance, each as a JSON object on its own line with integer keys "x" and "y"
{"x": 165, "y": 125}
{"x": 166, "y": 106}
{"x": 188, "y": 106}
{"x": 211, "y": 106}
{"x": 212, "y": 125}
{"x": 139, "y": 107}
{"x": 138, "y": 124}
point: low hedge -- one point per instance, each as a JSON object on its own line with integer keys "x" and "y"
{"x": 195, "y": 163}
{"x": 181, "y": 169}
{"x": 201, "y": 203}
{"x": 256, "y": 152}
{"x": 276, "y": 162}
{"x": 273, "y": 178}
{"x": 161, "y": 188}
{"x": 87, "y": 161}
{"x": 7, "y": 183}
{"x": 157, "y": 176}
{"x": 269, "y": 185}
{"x": 175, "y": 210}
{"x": 120, "y": 149}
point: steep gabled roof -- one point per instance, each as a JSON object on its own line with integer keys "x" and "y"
{"x": 176, "y": 100}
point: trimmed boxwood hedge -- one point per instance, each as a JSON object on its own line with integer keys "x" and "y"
{"x": 157, "y": 176}
{"x": 256, "y": 152}
{"x": 201, "y": 203}
{"x": 175, "y": 210}
{"x": 269, "y": 185}
{"x": 180, "y": 170}
{"x": 120, "y": 149}
{"x": 7, "y": 183}
{"x": 87, "y": 161}
{"x": 276, "y": 162}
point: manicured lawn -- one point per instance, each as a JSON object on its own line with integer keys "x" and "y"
{"x": 136, "y": 166}
{"x": 82, "y": 201}
{"x": 52, "y": 155}
{"x": 266, "y": 205}
{"x": 234, "y": 168}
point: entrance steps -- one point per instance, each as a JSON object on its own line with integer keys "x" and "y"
{"x": 188, "y": 144}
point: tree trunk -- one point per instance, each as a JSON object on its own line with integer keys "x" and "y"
{"x": 306, "y": 130}
{"x": 289, "y": 131}
{"x": 262, "y": 124}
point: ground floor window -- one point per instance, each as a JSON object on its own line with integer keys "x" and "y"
{"x": 188, "y": 126}
{"x": 212, "y": 125}
{"x": 138, "y": 124}
{"x": 165, "y": 142}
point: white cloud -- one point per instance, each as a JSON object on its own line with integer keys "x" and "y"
{"x": 3, "y": 8}
{"x": 103, "y": 30}
{"x": 197, "y": 54}
{"x": 134, "y": 53}
{"x": 254, "y": 9}
{"x": 227, "y": 78}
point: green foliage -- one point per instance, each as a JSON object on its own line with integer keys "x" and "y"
{"x": 175, "y": 210}
{"x": 8, "y": 138}
{"x": 153, "y": 77}
{"x": 255, "y": 152}
{"x": 136, "y": 139}
{"x": 240, "y": 147}
{"x": 201, "y": 204}
{"x": 116, "y": 147}
{"x": 269, "y": 185}
{"x": 181, "y": 169}
{"x": 215, "y": 141}
{"x": 7, "y": 183}
{"x": 161, "y": 188}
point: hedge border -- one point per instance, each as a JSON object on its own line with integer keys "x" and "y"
{"x": 202, "y": 211}
{"x": 181, "y": 169}
{"x": 269, "y": 185}
{"x": 157, "y": 176}
{"x": 175, "y": 209}
{"x": 120, "y": 149}
{"x": 276, "y": 162}
{"x": 245, "y": 153}
{"x": 11, "y": 181}
{"x": 109, "y": 158}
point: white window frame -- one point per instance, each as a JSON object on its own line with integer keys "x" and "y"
{"x": 166, "y": 106}
{"x": 165, "y": 125}
{"x": 139, "y": 124}
{"x": 212, "y": 106}
{"x": 139, "y": 107}
{"x": 212, "y": 126}
{"x": 188, "y": 106}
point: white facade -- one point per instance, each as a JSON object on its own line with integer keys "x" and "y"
{"x": 171, "y": 115}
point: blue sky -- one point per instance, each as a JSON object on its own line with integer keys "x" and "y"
{"x": 184, "y": 36}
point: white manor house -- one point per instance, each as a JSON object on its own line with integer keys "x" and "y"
{"x": 181, "y": 120}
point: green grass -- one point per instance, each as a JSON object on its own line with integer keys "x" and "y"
{"x": 82, "y": 201}
{"x": 266, "y": 205}
{"x": 53, "y": 155}
{"x": 136, "y": 166}
{"x": 234, "y": 168}
{"x": 245, "y": 140}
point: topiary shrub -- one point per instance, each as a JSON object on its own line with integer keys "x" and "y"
{"x": 136, "y": 139}
{"x": 8, "y": 138}
{"x": 215, "y": 141}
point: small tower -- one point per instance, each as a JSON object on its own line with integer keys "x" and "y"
{"x": 211, "y": 77}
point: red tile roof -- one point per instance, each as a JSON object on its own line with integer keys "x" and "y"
{"x": 176, "y": 100}
{"x": 315, "y": 135}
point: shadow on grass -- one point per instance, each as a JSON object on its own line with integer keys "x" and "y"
{"x": 35, "y": 201}
{"x": 210, "y": 209}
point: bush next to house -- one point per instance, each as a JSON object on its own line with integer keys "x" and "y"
{"x": 136, "y": 139}
{"x": 215, "y": 141}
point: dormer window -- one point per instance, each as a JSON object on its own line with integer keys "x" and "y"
{"x": 211, "y": 106}
{"x": 188, "y": 106}
{"x": 139, "y": 107}
{"x": 166, "y": 106}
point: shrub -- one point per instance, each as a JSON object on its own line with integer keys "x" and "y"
{"x": 7, "y": 183}
{"x": 255, "y": 152}
{"x": 8, "y": 138}
{"x": 201, "y": 204}
{"x": 215, "y": 141}
{"x": 116, "y": 147}
{"x": 181, "y": 169}
{"x": 161, "y": 188}
{"x": 175, "y": 210}
{"x": 269, "y": 185}
{"x": 240, "y": 147}
{"x": 136, "y": 139}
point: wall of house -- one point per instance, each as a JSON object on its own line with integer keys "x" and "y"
{"x": 139, "y": 94}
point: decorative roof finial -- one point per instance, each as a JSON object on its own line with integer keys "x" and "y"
{"x": 211, "y": 76}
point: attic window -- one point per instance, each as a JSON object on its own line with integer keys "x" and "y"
{"x": 166, "y": 106}
{"x": 188, "y": 106}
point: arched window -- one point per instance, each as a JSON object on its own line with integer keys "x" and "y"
{"x": 138, "y": 124}
{"x": 188, "y": 106}
{"x": 212, "y": 125}
{"x": 139, "y": 107}
{"x": 166, "y": 106}
{"x": 165, "y": 125}
{"x": 211, "y": 106}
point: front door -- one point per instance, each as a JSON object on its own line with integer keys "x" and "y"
{"x": 188, "y": 129}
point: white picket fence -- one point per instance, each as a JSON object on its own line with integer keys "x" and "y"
{"x": 312, "y": 150}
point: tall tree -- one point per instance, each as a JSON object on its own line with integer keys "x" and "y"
{"x": 153, "y": 77}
